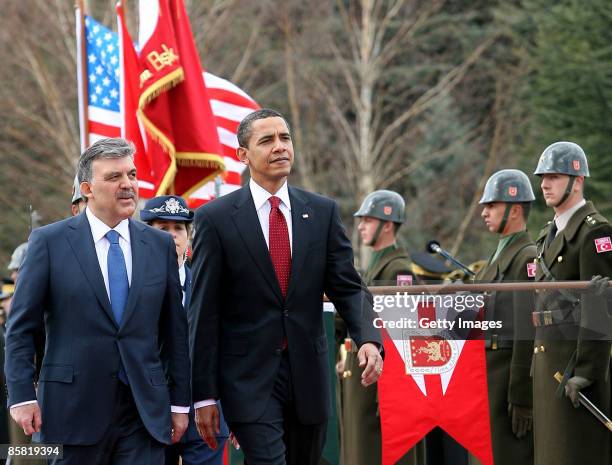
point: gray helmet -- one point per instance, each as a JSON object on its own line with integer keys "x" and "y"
{"x": 563, "y": 158}
{"x": 76, "y": 191}
{"x": 508, "y": 186}
{"x": 18, "y": 256}
{"x": 384, "y": 205}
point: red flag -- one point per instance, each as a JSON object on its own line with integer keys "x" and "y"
{"x": 174, "y": 105}
{"x": 432, "y": 381}
{"x": 130, "y": 94}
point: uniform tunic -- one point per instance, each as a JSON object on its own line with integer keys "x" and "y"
{"x": 573, "y": 322}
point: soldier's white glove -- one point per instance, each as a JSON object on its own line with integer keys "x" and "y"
{"x": 573, "y": 386}
{"x": 599, "y": 284}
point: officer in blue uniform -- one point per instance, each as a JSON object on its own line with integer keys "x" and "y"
{"x": 170, "y": 213}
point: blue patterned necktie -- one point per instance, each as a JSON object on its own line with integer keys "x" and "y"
{"x": 118, "y": 284}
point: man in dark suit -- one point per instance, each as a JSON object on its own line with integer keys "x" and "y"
{"x": 102, "y": 390}
{"x": 263, "y": 257}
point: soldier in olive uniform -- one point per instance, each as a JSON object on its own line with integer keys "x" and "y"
{"x": 381, "y": 214}
{"x": 576, "y": 245}
{"x": 506, "y": 203}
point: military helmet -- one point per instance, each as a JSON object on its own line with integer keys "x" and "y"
{"x": 563, "y": 158}
{"x": 508, "y": 186}
{"x": 384, "y": 205}
{"x": 76, "y": 191}
{"x": 18, "y": 256}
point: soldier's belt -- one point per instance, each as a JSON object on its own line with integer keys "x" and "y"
{"x": 554, "y": 317}
{"x": 495, "y": 342}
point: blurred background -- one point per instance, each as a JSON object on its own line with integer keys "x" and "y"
{"x": 426, "y": 98}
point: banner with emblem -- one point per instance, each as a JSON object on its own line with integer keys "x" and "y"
{"x": 434, "y": 375}
{"x": 181, "y": 139}
{"x": 109, "y": 70}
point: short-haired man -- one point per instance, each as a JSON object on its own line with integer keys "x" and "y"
{"x": 102, "y": 390}
{"x": 380, "y": 216}
{"x": 506, "y": 202}
{"x": 263, "y": 257}
{"x": 575, "y": 246}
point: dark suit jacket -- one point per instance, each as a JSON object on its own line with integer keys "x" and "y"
{"x": 61, "y": 288}
{"x": 238, "y": 317}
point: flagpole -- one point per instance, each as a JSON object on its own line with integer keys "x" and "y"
{"x": 82, "y": 78}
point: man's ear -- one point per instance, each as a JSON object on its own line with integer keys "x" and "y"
{"x": 516, "y": 211}
{"x": 578, "y": 184}
{"x": 241, "y": 152}
{"x": 86, "y": 189}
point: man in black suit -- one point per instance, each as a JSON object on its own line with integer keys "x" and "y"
{"x": 263, "y": 258}
{"x": 102, "y": 390}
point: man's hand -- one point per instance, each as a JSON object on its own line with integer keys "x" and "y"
{"x": 369, "y": 357}
{"x": 207, "y": 422}
{"x": 180, "y": 421}
{"x": 574, "y": 385}
{"x": 599, "y": 284}
{"x": 522, "y": 419}
{"x": 27, "y": 417}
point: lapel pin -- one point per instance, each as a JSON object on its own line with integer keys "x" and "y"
{"x": 304, "y": 215}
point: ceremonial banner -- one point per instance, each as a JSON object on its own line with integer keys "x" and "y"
{"x": 109, "y": 96}
{"x": 434, "y": 373}
{"x": 174, "y": 106}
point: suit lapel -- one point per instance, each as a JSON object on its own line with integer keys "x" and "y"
{"x": 302, "y": 218}
{"x": 81, "y": 241}
{"x": 247, "y": 222}
{"x": 139, "y": 259}
{"x": 554, "y": 249}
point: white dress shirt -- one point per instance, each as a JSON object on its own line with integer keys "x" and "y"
{"x": 102, "y": 244}
{"x": 263, "y": 207}
{"x": 182, "y": 278}
{"x": 562, "y": 220}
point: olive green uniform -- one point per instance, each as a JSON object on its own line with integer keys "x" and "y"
{"x": 509, "y": 348}
{"x": 565, "y": 327}
{"x": 360, "y": 431}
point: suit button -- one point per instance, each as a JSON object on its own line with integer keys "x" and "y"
{"x": 542, "y": 349}
{"x": 535, "y": 350}
{"x": 286, "y": 313}
{"x": 560, "y": 258}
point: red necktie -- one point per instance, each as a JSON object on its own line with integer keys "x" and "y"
{"x": 280, "y": 249}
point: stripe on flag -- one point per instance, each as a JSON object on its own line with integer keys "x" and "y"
{"x": 230, "y": 105}
{"x": 102, "y": 70}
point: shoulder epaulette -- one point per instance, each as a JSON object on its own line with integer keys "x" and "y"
{"x": 595, "y": 219}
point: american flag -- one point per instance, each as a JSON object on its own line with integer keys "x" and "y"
{"x": 229, "y": 103}
{"x": 101, "y": 69}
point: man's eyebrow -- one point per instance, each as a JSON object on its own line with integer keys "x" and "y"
{"x": 264, "y": 137}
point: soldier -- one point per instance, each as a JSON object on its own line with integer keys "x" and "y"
{"x": 78, "y": 201}
{"x": 576, "y": 245}
{"x": 16, "y": 260}
{"x": 381, "y": 214}
{"x": 506, "y": 203}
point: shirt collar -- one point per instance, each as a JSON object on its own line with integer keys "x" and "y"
{"x": 564, "y": 217}
{"x": 99, "y": 228}
{"x": 261, "y": 196}
{"x": 182, "y": 275}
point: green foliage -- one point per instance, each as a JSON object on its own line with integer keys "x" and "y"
{"x": 568, "y": 90}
